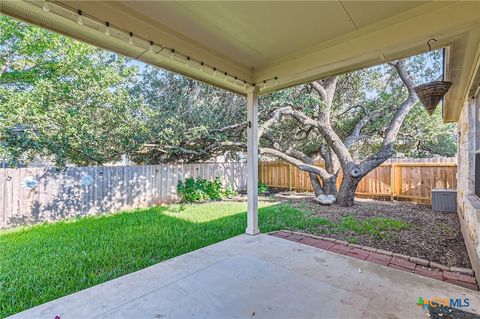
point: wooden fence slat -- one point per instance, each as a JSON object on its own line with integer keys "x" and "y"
{"x": 120, "y": 188}
{"x": 411, "y": 179}
{"x": 60, "y": 194}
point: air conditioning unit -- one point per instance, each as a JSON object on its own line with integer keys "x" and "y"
{"x": 444, "y": 200}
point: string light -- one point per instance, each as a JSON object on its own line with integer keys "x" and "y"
{"x": 167, "y": 52}
{"x": 107, "y": 28}
{"x": 80, "y": 18}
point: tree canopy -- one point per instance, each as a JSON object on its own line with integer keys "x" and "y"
{"x": 205, "y": 121}
{"x": 65, "y": 100}
{"x": 73, "y": 103}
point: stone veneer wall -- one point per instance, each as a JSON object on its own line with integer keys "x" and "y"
{"x": 468, "y": 203}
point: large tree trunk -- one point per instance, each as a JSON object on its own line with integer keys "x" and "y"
{"x": 330, "y": 185}
{"x": 316, "y": 185}
{"x": 337, "y": 151}
{"x": 346, "y": 194}
{"x": 353, "y": 173}
{"x": 327, "y": 186}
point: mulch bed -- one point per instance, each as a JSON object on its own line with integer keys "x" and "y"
{"x": 435, "y": 236}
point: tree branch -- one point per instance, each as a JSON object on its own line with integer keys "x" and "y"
{"x": 229, "y": 127}
{"x": 276, "y": 116}
{"x": 300, "y": 164}
{"x": 355, "y": 135}
{"x": 393, "y": 129}
{"x": 320, "y": 90}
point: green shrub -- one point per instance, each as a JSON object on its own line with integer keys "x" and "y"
{"x": 229, "y": 192}
{"x": 200, "y": 189}
{"x": 191, "y": 190}
{"x": 263, "y": 188}
{"x": 214, "y": 189}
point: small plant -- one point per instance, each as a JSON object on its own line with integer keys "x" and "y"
{"x": 263, "y": 188}
{"x": 229, "y": 192}
{"x": 191, "y": 190}
{"x": 200, "y": 189}
{"x": 214, "y": 189}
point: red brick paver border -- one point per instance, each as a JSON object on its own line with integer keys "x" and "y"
{"x": 379, "y": 258}
{"x": 429, "y": 272}
{"x": 358, "y": 253}
{"x": 402, "y": 264}
{"x": 385, "y": 258}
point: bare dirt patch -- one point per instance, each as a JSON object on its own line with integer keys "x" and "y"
{"x": 434, "y": 236}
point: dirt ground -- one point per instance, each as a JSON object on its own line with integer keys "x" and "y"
{"x": 434, "y": 236}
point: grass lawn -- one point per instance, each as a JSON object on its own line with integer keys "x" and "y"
{"x": 44, "y": 262}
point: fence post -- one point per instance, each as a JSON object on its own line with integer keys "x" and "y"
{"x": 290, "y": 176}
{"x": 392, "y": 181}
{"x": 260, "y": 172}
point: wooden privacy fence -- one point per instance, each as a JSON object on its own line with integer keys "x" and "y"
{"x": 410, "y": 179}
{"x": 29, "y": 195}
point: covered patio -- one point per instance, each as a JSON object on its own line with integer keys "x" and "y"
{"x": 254, "y": 48}
{"x": 257, "y": 277}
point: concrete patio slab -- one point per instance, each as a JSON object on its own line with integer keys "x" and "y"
{"x": 257, "y": 277}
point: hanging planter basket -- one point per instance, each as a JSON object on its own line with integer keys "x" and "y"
{"x": 430, "y": 94}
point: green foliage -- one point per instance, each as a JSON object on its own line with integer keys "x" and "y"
{"x": 183, "y": 112}
{"x": 64, "y": 99}
{"x": 193, "y": 113}
{"x": 426, "y": 136}
{"x": 73, "y": 103}
{"x": 359, "y": 93}
{"x": 191, "y": 190}
{"x": 230, "y": 192}
{"x": 214, "y": 189}
{"x": 263, "y": 188}
{"x": 200, "y": 189}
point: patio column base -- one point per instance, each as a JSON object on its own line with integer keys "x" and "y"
{"x": 252, "y": 232}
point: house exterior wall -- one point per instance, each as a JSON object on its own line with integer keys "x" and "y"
{"x": 468, "y": 204}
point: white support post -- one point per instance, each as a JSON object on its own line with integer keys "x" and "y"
{"x": 252, "y": 162}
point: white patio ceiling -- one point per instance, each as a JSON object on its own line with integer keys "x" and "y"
{"x": 273, "y": 45}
